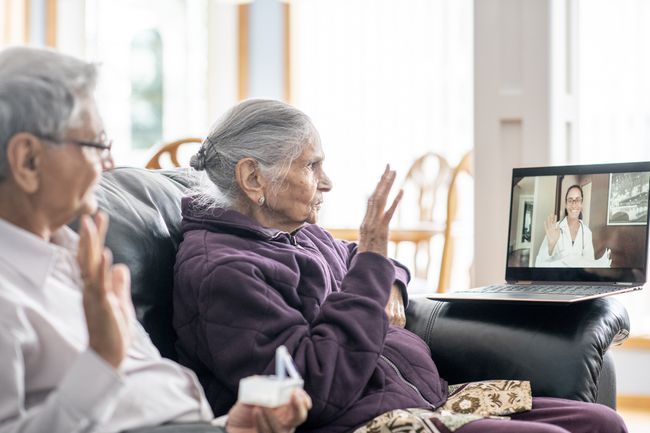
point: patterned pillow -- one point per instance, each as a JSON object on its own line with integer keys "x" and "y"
{"x": 467, "y": 402}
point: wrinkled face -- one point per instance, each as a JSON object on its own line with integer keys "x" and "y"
{"x": 574, "y": 203}
{"x": 298, "y": 199}
{"x": 70, "y": 172}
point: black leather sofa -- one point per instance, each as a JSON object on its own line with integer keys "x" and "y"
{"x": 562, "y": 350}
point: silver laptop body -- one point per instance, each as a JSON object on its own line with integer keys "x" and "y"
{"x": 575, "y": 233}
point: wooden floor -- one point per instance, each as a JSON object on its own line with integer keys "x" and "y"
{"x": 637, "y": 421}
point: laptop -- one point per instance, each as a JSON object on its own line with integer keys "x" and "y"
{"x": 575, "y": 233}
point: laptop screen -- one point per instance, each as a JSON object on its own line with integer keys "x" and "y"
{"x": 579, "y": 223}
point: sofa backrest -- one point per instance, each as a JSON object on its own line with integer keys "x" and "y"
{"x": 144, "y": 233}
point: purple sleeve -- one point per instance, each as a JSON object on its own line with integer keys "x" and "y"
{"x": 402, "y": 274}
{"x": 244, "y": 318}
{"x": 402, "y": 278}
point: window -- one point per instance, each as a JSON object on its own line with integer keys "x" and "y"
{"x": 614, "y": 66}
{"x": 167, "y": 71}
{"x": 385, "y": 81}
{"x": 14, "y": 26}
{"x": 146, "y": 89}
{"x": 614, "y": 107}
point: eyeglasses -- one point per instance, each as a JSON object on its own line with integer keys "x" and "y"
{"x": 103, "y": 147}
{"x": 574, "y": 201}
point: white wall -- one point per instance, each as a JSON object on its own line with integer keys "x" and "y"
{"x": 512, "y": 67}
{"x": 544, "y": 205}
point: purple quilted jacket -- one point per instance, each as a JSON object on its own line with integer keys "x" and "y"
{"x": 241, "y": 290}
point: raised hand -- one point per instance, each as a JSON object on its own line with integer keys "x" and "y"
{"x": 606, "y": 259}
{"x": 552, "y": 232}
{"x": 244, "y": 418}
{"x": 373, "y": 234}
{"x": 107, "y": 293}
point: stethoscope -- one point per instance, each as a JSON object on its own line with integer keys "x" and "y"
{"x": 582, "y": 228}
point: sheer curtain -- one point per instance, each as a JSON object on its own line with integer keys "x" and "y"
{"x": 614, "y": 80}
{"x": 384, "y": 81}
{"x": 13, "y": 22}
{"x": 614, "y": 98}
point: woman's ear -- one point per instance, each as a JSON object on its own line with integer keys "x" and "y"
{"x": 24, "y": 155}
{"x": 250, "y": 179}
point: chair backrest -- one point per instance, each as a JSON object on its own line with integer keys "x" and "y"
{"x": 465, "y": 166}
{"x": 422, "y": 207}
{"x": 427, "y": 177}
{"x": 172, "y": 151}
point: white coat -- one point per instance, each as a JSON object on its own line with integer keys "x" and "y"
{"x": 567, "y": 253}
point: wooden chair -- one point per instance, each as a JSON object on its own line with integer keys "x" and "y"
{"x": 422, "y": 208}
{"x": 420, "y": 216}
{"x": 465, "y": 166}
{"x": 170, "y": 149}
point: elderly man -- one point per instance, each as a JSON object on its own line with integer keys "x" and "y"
{"x": 73, "y": 357}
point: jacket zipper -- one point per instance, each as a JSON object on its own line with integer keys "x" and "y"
{"x": 399, "y": 374}
{"x": 321, "y": 261}
{"x": 293, "y": 241}
{"x": 278, "y": 235}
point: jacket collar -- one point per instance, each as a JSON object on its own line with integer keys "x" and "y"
{"x": 228, "y": 221}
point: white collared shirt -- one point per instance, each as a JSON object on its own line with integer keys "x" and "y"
{"x": 50, "y": 381}
{"x": 567, "y": 252}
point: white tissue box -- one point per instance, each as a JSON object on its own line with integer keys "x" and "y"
{"x": 267, "y": 391}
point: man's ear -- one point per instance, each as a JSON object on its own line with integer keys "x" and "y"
{"x": 250, "y": 179}
{"x": 24, "y": 155}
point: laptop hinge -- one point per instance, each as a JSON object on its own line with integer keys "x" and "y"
{"x": 528, "y": 282}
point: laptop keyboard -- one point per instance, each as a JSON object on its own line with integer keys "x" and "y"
{"x": 579, "y": 290}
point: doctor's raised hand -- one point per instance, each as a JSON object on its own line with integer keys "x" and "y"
{"x": 373, "y": 237}
{"x": 552, "y": 232}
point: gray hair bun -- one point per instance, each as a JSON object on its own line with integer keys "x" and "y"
{"x": 197, "y": 161}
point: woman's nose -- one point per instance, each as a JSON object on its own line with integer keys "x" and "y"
{"x": 325, "y": 183}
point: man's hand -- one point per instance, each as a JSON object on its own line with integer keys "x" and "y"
{"x": 395, "y": 308}
{"x": 107, "y": 293}
{"x": 244, "y": 418}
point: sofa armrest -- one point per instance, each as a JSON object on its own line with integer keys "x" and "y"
{"x": 560, "y": 349}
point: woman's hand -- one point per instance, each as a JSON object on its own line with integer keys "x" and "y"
{"x": 373, "y": 234}
{"x": 395, "y": 308}
{"x": 244, "y": 418}
{"x": 107, "y": 293}
{"x": 552, "y": 232}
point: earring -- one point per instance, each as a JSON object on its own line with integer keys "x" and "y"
{"x": 261, "y": 200}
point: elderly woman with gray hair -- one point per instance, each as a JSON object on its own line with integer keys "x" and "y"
{"x": 254, "y": 271}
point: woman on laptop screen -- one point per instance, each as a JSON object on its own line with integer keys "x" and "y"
{"x": 569, "y": 242}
